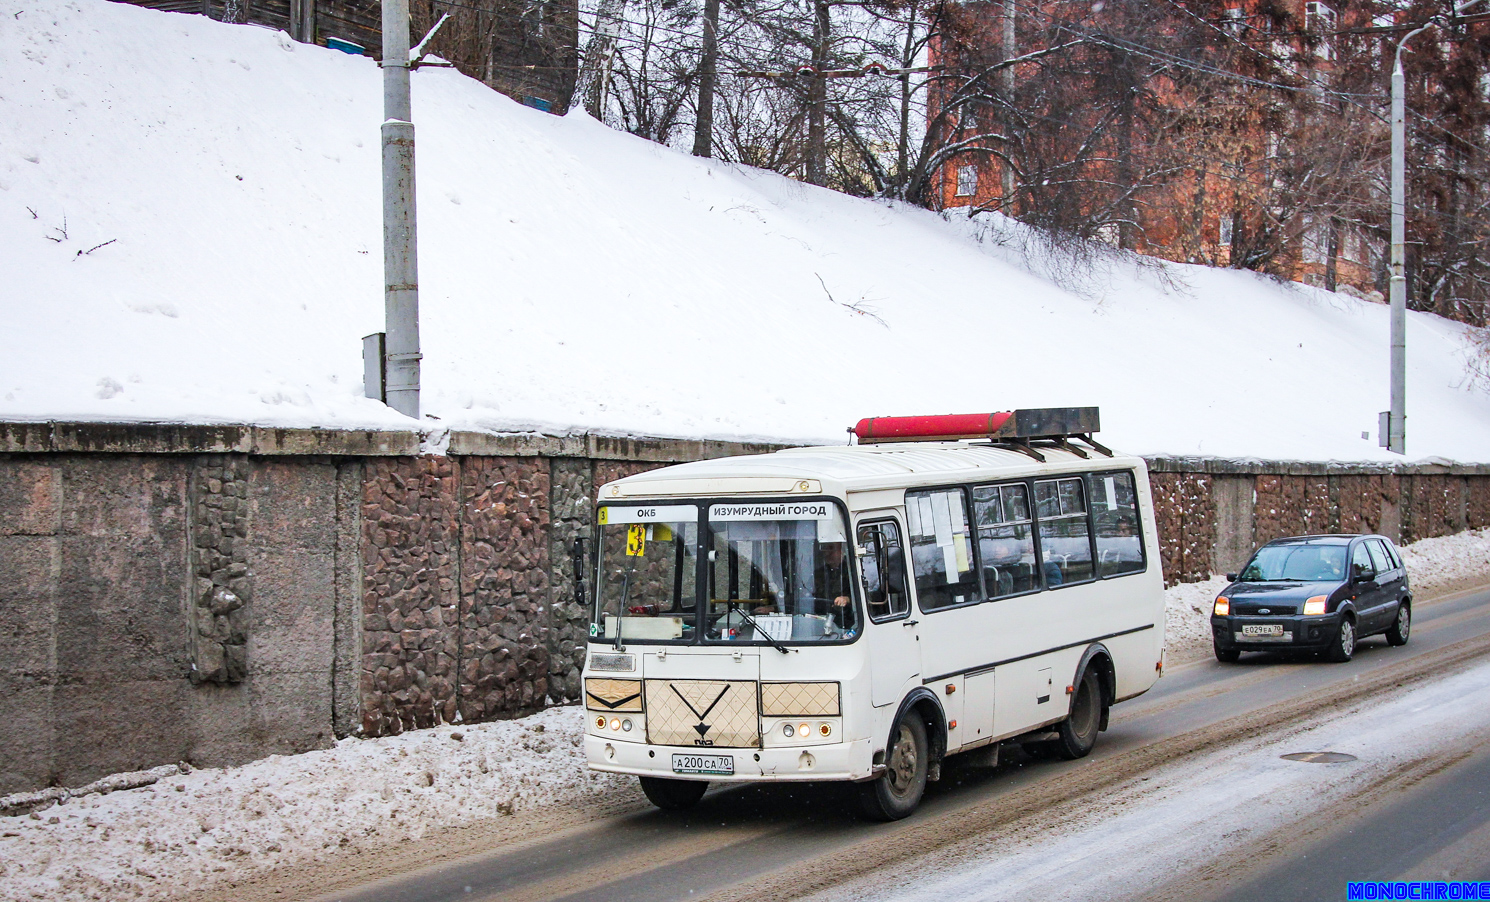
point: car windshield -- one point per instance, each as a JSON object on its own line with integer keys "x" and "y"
{"x": 775, "y": 572}
{"x": 1305, "y": 563}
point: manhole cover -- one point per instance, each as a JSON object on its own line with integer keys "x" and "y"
{"x": 1320, "y": 757}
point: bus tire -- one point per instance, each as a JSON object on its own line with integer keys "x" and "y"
{"x": 897, "y": 791}
{"x": 673, "y": 795}
{"x": 1078, "y": 732}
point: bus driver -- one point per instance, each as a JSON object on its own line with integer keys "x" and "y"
{"x": 830, "y": 580}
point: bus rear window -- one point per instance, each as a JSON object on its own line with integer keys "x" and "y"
{"x": 1115, "y": 516}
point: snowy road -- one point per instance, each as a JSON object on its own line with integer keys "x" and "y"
{"x": 1185, "y": 797}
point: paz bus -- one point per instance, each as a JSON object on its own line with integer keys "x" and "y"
{"x": 859, "y": 613}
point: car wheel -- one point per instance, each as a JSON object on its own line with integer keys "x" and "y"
{"x": 1343, "y": 648}
{"x": 1226, "y": 655}
{"x": 1078, "y": 732}
{"x": 897, "y": 791}
{"x": 1402, "y": 627}
{"x": 673, "y": 795}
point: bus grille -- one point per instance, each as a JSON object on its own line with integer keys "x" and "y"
{"x": 718, "y": 713}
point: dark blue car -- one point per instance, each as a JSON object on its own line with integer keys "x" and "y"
{"x": 1314, "y": 593}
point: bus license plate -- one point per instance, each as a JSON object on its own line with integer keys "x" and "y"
{"x": 723, "y": 765}
{"x": 1271, "y": 629}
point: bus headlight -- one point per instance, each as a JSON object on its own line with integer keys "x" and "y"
{"x": 825, "y": 729}
{"x": 615, "y": 723}
{"x": 626, "y": 725}
{"x": 600, "y": 722}
{"x": 788, "y": 730}
{"x": 803, "y": 731}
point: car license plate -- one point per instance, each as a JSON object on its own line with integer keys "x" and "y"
{"x": 723, "y": 765}
{"x": 1269, "y": 629}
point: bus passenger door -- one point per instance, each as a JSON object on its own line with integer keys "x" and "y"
{"x": 894, "y": 653}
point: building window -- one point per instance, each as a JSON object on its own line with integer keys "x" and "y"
{"x": 1235, "y": 22}
{"x": 967, "y": 181}
{"x": 1319, "y": 21}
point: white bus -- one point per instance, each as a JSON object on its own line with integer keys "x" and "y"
{"x": 859, "y": 613}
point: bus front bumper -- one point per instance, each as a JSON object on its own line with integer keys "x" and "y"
{"x": 837, "y": 761}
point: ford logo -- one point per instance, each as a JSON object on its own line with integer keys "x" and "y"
{"x": 1264, "y": 611}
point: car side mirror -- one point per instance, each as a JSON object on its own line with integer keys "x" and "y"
{"x": 1359, "y": 574}
{"x": 1231, "y": 577}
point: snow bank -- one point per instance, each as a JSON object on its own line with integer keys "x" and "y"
{"x": 212, "y": 827}
{"x": 1434, "y": 567}
{"x": 577, "y": 278}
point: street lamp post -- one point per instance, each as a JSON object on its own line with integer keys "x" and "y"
{"x": 1395, "y": 437}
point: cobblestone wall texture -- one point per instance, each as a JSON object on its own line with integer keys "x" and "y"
{"x": 1185, "y": 517}
{"x": 504, "y": 596}
{"x": 410, "y": 511}
{"x": 222, "y": 587}
{"x": 573, "y": 517}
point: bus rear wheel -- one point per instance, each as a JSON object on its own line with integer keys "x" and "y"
{"x": 1078, "y": 732}
{"x": 897, "y": 791}
{"x": 673, "y": 795}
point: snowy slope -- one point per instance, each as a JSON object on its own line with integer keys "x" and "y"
{"x": 574, "y": 278}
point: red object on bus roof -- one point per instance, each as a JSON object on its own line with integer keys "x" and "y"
{"x": 946, "y": 426}
{"x": 1010, "y": 425}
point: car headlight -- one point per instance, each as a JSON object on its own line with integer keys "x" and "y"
{"x": 1223, "y": 606}
{"x": 1316, "y": 604}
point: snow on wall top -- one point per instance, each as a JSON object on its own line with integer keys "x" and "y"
{"x": 575, "y": 278}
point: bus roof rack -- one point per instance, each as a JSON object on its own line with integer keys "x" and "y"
{"x": 1016, "y": 429}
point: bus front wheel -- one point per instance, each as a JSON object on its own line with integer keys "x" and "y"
{"x": 897, "y": 792}
{"x": 1078, "y": 732}
{"x": 673, "y": 795}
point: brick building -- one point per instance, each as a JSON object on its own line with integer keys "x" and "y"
{"x": 1224, "y": 168}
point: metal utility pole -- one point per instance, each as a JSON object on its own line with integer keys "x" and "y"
{"x": 1395, "y": 438}
{"x": 400, "y": 245}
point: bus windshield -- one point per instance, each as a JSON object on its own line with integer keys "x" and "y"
{"x": 648, "y": 573}
{"x": 779, "y": 570}
{"x": 774, "y": 572}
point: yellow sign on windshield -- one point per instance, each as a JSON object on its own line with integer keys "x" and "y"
{"x": 636, "y": 539}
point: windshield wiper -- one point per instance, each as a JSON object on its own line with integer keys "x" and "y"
{"x": 621, "y": 612}
{"x": 774, "y": 643}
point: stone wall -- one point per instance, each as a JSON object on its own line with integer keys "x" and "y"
{"x": 217, "y": 594}
{"x": 1211, "y": 514}
{"x": 157, "y": 608}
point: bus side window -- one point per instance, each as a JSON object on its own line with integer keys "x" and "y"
{"x": 1006, "y": 546}
{"x": 1118, "y": 530}
{"x": 941, "y": 548}
{"x": 1065, "y": 546}
{"x": 883, "y": 563}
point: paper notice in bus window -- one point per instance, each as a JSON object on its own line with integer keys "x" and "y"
{"x": 941, "y": 519}
{"x": 962, "y": 555}
{"x": 949, "y": 562}
{"x": 775, "y": 626}
{"x": 923, "y": 504}
{"x": 636, "y": 539}
{"x": 1111, "y": 484}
